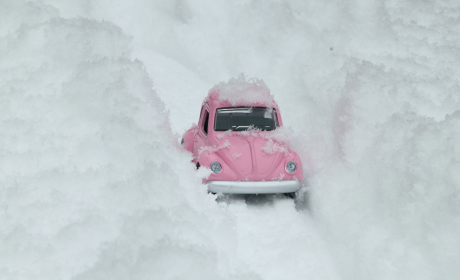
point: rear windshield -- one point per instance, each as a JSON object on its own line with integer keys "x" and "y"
{"x": 241, "y": 118}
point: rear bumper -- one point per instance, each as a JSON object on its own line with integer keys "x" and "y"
{"x": 259, "y": 187}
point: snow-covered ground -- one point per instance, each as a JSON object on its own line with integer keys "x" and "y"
{"x": 94, "y": 95}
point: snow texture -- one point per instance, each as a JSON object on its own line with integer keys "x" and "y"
{"x": 213, "y": 149}
{"x": 272, "y": 147}
{"x": 93, "y": 184}
{"x": 236, "y": 156}
{"x": 282, "y": 135}
{"x": 242, "y": 92}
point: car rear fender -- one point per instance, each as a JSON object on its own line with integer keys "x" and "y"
{"x": 187, "y": 138}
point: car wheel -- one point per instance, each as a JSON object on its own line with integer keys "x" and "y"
{"x": 197, "y": 165}
{"x": 290, "y": 195}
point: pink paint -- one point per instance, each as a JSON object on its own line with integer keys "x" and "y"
{"x": 261, "y": 156}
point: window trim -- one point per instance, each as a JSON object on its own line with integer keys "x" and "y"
{"x": 274, "y": 109}
{"x": 204, "y": 110}
{"x": 206, "y": 122}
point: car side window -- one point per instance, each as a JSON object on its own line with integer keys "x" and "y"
{"x": 206, "y": 122}
{"x": 201, "y": 113}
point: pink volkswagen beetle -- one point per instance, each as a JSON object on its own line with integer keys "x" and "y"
{"x": 239, "y": 136}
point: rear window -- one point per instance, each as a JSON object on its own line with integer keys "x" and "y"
{"x": 241, "y": 118}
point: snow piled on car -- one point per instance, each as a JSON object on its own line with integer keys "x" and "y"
{"x": 240, "y": 91}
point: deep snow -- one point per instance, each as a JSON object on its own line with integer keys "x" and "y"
{"x": 94, "y": 94}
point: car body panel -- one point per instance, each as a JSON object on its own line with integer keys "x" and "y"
{"x": 245, "y": 156}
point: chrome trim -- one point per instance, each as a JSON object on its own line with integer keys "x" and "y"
{"x": 285, "y": 167}
{"x": 251, "y": 187}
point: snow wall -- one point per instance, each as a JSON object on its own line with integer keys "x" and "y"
{"x": 94, "y": 186}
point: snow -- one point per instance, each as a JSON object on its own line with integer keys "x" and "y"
{"x": 240, "y": 91}
{"x": 281, "y": 135}
{"x": 272, "y": 147}
{"x": 93, "y": 96}
{"x": 236, "y": 156}
{"x": 214, "y": 148}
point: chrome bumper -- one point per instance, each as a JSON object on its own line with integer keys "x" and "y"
{"x": 259, "y": 187}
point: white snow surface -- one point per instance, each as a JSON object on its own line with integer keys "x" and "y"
{"x": 94, "y": 94}
{"x": 244, "y": 92}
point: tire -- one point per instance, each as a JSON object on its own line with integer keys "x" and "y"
{"x": 290, "y": 195}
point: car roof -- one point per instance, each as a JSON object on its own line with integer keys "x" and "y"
{"x": 215, "y": 100}
{"x": 240, "y": 91}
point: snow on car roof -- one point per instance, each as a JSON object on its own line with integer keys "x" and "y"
{"x": 240, "y": 91}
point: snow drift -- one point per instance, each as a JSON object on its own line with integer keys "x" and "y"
{"x": 93, "y": 184}
{"x": 93, "y": 187}
{"x": 243, "y": 92}
{"x": 86, "y": 155}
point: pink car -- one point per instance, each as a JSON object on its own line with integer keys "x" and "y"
{"x": 239, "y": 136}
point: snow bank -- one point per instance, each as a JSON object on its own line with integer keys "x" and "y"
{"x": 88, "y": 165}
{"x": 93, "y": 184}
{"x": 393, "y": 189}
{"x": 364, "y": 85}
{"x": 370, "y": 89}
